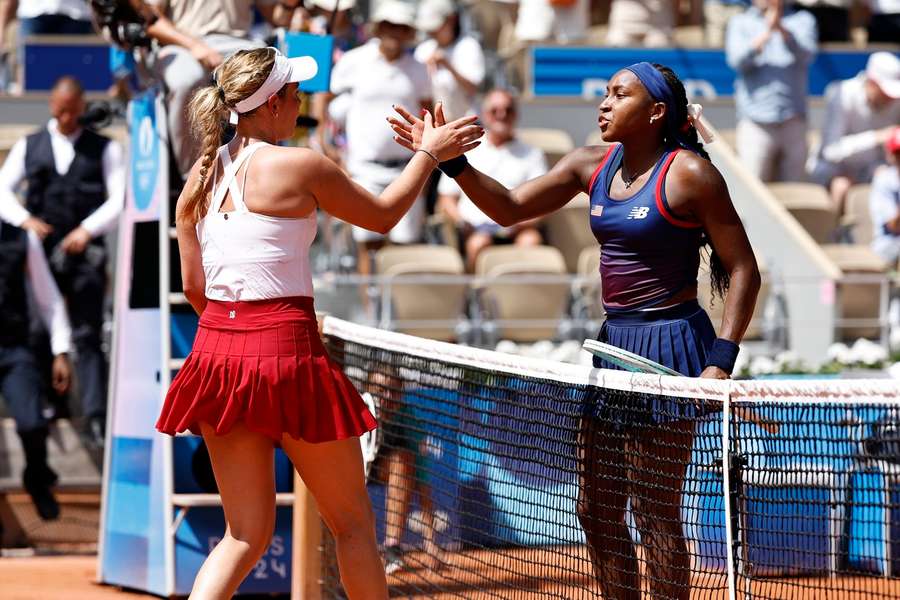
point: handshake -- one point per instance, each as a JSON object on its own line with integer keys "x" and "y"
{"x": 444, "y": 142}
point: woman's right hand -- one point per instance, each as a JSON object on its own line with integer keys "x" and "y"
{"x": 434, "y": 135}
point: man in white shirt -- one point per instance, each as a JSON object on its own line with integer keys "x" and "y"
{"x": 859, "y": 115}
{"x": 454, "y": 60}
{"x": 22, "y": 263}
{"x": 884, "y": 203}
{"x": 374, "y": 77}
{"x": 507, "y": 160}
{"x": 74, "y": 194}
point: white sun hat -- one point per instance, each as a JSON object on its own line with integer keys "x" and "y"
{"x": 884, "y": 69}
{"x": 284, "y": 71}
{"x": 338, "y": 5}
{"x": 433, "y": 14}
{"x": 396, "y": 12}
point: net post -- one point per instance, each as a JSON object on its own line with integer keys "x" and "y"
{"x": 726, "y": 492}
{"x": 306, "y": 565}
{"x": 306, "y": 561}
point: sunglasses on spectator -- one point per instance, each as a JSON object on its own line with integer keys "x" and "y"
{"x": 497, "y": 111}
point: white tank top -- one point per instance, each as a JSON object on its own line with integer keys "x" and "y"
{"x": 249, "y": 256}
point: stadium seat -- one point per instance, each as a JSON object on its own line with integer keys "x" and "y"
{"x": 857, "y": 216}
{"x": 431, "y": 309}
{"x": 716, "y": 308}
{"x": 689, "y": 36}
{"x": 568, "y": 229}
{"x": 588, "y": 302}
{"x": 594, "y": 138}
{"x": 555, "y": 143}
{"x": 861, "y": 304}
{"x": 9, "y": 135}
{"x": 810, "y": 205}
{"x": 522, "y": 311}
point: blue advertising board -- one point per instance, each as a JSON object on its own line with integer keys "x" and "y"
{"x": 582, "y": 71}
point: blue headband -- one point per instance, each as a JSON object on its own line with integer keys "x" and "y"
{"x": 660, "y": 91}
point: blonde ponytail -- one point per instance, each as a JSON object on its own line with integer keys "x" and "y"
{"x": 207, "y": 114}
{"x": 238, "y": 77}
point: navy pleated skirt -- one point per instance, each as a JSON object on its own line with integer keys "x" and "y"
{"x": 678, "y": 337}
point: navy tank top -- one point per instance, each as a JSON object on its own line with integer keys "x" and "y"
{"x": 647, "y": 253}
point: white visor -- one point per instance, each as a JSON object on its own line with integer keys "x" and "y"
{"x": 284, "y": 71}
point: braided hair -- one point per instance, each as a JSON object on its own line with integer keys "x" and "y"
{"x": 680, "y": 132}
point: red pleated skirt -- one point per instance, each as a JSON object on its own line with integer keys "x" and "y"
{"x": 263, "y": 364}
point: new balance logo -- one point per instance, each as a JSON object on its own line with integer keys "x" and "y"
{"x": 638, "y": 212}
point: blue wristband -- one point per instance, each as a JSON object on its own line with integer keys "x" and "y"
{"x": 723, "y": 354}
{"x": 453, "y": 167}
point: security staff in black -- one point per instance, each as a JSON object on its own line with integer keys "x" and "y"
{"x": 21, "y": 383}
{"x": 74, "y": 193}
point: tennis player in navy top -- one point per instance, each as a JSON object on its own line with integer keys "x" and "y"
{"x": 656, "y": 201}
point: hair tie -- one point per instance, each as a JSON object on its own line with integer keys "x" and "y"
{"x": 221, "y": 94}
{"x": 694, "y": 117}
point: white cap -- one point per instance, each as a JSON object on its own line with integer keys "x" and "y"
{"x": 884, "y": 69}
{"x": 396, "y": 12}
{"x": 331, "y": 5}
{"x": 433, "y": 14}
{"x": 284, "y": 71}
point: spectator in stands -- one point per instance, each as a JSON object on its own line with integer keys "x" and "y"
{"x": 716, "y": 14}
{"x": 561, "y": 21}
{"x": 506, "y": 159}
{"x": 860, "y": 114}
{"x": 336, "y": 17}
{"x": 23, "y": 263}
{"x": 771, "y": 48}
{"x": 492, "y": 19}
{"x": 884, "y": 21}
{"x": 75, "y": 192}
{"x": 884, "y": 203}
{"x": 196, "y": 36}
{"x": 455, "y": 61}
{"x": 403, "y": 451}
{"x": 832, "y": 18}
{"x": 647, "y": 23}
{"x": 374, "y": 77}
{"x": 42, "y": 17}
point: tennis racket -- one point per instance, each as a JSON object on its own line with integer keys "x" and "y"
{"x": 630, "y": 361}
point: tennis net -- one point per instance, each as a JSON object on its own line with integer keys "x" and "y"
{"x": 499, "y": 476}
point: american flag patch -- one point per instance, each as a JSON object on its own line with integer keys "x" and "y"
{"x": 596, "y": 210}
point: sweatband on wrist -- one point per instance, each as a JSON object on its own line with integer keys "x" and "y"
{"x": 453, "y": 167}
{"x": 723, "y": 354}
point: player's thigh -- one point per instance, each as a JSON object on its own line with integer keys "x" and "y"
{"x": 243, "y": 463}
{"x": 333, "y": 473}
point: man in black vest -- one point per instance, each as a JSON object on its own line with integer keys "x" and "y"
{"x": 21, "y": 383}
{"x": 75, "y": 193}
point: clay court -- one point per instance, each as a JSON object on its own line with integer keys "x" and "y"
{"x": 558, "y": 573}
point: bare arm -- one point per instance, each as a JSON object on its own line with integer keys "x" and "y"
{"x": 695, "y": 184}
{"x": 338, "y": 195}
{"x": 193, "y": 280}
{"x": 165, "y": 32}
{"x": 534, "y": 198}
{"x": 505, "y": 207}
{"x": 7, "y": 15}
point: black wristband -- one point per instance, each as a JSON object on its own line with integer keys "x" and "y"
{"x": 454, "y": 166}
{"x": 723, "y": 354}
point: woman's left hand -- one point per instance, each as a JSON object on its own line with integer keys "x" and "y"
{"x": 458, "y": 137}
{"x": 409, "y": 131}
{"x": 713, "y": 372}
